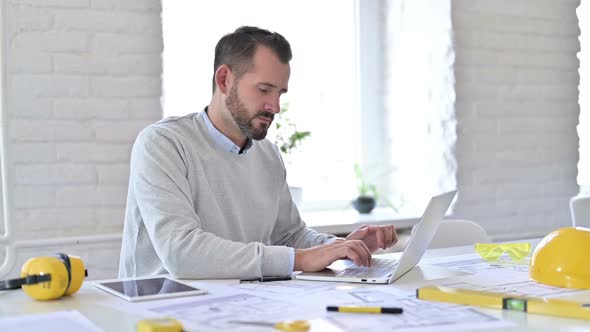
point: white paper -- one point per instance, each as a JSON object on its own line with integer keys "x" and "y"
{"x": 296, "y": 299}
{"x": 474, "y": 264}
{"x": 284, "y": 288}
{"x": 418, "y": 315}
{"x": 62, "y": 321}
{"x": 502, "y": 276}
{"x": 509, "y": 283}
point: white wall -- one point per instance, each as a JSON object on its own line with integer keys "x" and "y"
{"x": 83, "y": 77}
{"x": 517, "y": 110}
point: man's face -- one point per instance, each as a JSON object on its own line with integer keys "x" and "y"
{"x": 245, "y": 120}
{"x": 254, "y": 98}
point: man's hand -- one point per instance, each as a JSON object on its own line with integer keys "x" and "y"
{"x": 317, "y": 258}
{"x": 375, "y": 237}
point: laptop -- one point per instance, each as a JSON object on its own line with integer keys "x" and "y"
{"x": 387, "y": 270}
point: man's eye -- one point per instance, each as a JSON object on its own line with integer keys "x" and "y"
{"x": 263, "y": 90}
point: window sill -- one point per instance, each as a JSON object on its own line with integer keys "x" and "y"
{"x": 342, "y": 222}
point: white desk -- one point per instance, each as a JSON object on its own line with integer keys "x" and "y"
{"x": 17, "y": 303}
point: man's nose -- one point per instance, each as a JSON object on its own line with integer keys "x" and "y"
{"x": 273, "y": 106}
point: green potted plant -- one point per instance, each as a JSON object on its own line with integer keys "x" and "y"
{"x": 367, "y": 193}
{"x": 288, "y": 139}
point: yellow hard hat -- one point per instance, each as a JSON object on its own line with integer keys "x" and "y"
{"x": 561, "y": 258}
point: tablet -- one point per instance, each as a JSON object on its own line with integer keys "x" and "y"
{"x": 151, "y": 288}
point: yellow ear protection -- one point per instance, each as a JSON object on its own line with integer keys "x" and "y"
{"x": 49, "y": 277}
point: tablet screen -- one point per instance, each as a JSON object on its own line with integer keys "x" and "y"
{"x": 145, "y": 287}
{"x": 148, "y": 288}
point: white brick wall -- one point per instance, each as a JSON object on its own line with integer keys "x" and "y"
{"x": 82, "y": 78}
{"x": 517, "y": 109}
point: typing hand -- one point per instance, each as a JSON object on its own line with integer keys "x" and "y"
{"x": 375, "y": 237}
{"x": 319, "y": 257}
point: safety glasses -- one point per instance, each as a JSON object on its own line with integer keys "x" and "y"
{"x": 493, "y": 251}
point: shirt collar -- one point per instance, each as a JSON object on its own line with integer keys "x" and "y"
{"x": 219, "y": 138}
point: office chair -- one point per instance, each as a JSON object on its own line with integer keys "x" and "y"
{"x": 580, "y": 210}
{"x": 450, "y": 233}
{"x": 458, "y": 232}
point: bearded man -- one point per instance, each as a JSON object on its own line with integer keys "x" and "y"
{"x": 208, "y": 196}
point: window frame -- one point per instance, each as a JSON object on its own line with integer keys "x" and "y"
{"x": 6, "y": 240}
{"x": 371, "y": 62}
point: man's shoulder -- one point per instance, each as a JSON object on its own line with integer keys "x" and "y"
{"x": 183, "y": 121}
{"x": 172, "y": 126}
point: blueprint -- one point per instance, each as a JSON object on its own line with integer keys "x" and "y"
{"x": 418, "y": 315}
{"x": 296, "y": 299}
{"x": 502, "y": 276}
{"x": 522, "y": 288}
{"x": 474, "y": 264}
{"x": 216, "y": 313}
{"x": 285, "y": 287}
{"x": 272, "y": 302}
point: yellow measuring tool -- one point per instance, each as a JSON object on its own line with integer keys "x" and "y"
{"x": 164, "y": 324}
{"x": 169, "y": 324}
{"x": 541, "y": 306}
{"x": 287, "y": 326}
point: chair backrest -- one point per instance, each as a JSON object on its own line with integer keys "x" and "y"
{"x": 458, "y": 232}
{"x": 580, "y": 209}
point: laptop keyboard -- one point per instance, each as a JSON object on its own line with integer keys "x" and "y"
{"x": 379, "y": 267}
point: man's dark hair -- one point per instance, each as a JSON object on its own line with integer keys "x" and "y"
{"x": 237, "y": 49}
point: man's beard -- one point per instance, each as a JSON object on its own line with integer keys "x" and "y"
{"x": 243, "y": 120}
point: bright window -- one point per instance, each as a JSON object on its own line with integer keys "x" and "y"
{"x": 323, "y": 92}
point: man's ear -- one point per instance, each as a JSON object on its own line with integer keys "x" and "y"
{"x": 223, "y": 76}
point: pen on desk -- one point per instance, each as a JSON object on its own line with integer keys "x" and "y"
{"x": 366, "y": 310}
{"x": 267, "y": 279}
{"x": 283, "y": 278}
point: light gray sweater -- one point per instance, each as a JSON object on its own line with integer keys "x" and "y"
{"x": 197, "y": 211}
